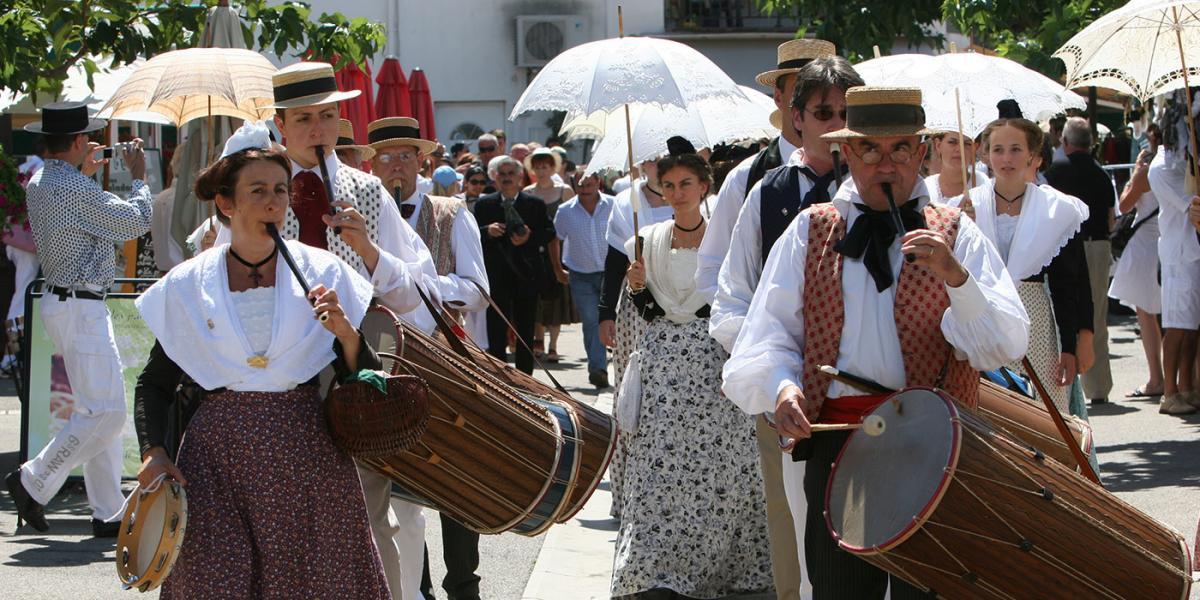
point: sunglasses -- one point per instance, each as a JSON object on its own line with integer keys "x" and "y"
{"x": 487, "y": 148}
{"x": 477, "y": 181}
{"x": 824, "y": 113}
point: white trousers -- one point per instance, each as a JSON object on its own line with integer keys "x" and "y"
{"x": 83, "y": 334}
{"x": 399, "y": 530}
{"x": 793, "y": 489}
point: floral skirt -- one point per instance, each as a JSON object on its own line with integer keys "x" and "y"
{"x": 1044, "y": 347}
{"x": 630, "y": 327}
{"x": 693, "y": 516}
{"x": 274, "y": 509}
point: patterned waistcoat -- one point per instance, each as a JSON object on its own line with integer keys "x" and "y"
{"x": 435, "y": 225}
{"x": 366, "y": 193}
{"x": 921, "y": 300}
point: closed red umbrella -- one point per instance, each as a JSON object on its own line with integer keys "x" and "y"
{"x": 360, "y": 111}
{"x": 422, "y": 103}
{"x": 393, "y": 99}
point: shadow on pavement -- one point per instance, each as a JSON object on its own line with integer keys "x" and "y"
{"x": 49, "y": 552}
{"x": 1157, "y": 464}
{"x": 1110, "y": 409}
{"x": 600, "y": 524}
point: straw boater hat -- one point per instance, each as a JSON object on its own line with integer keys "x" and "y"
{"x": 65, "y": 118}
{"x": 543, "y": 152}
{"x": 882, "y": 112}
{"x": 794, "y": 54}
{"x": 398, "y": 131}
{"x": 346, "y": 140}
{"x": 307, "y": 84}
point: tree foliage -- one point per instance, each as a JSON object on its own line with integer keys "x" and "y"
{"x": 859, "y": 26}
{"x": 1026, "y": 31}
{"x": 40, "y": 40}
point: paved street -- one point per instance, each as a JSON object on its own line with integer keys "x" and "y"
{"x": 1147, "y": 459}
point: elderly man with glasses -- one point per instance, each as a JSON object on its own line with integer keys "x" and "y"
{"x": 515, "y": 230}
{"x": 837, "y": 289}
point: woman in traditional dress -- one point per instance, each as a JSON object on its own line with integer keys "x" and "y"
{"x": 556, "y": 308}
{"x": 1135, "y": 280}
{"x": 274, "y": 508}
{"x": 620, "y": 326}
{"x": 948, "y": 181}
{"x": 693, "y": 517}
{"x": 1036, "y": 229}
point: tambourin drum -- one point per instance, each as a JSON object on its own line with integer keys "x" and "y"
{"x": 493, "y": 457}
{"x": 954, "y": 506}
{"x": 1026, "y": 420}
{"x": 151, "y": 535}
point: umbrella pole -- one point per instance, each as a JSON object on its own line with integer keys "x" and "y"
{"x": 962, "y": 144}
{"x": 210, "y": 149}
{"x": 1187, "y": 90}
{"x": 637, "y": 248}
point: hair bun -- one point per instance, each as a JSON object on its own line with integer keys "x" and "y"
{"x": 1009, "y": 109}
{"x": 677, "y": 145}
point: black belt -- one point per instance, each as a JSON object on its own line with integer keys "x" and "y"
{"x": 63, "y": 293}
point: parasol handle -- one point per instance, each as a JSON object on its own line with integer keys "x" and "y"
{"x": 1194, "y": 166}
{"x": 637, "y": 248}
{"x": 328, "y": 183}
{"x": 962, "y": 144}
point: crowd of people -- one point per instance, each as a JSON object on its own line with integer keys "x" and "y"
{"x": 714, "y": 282}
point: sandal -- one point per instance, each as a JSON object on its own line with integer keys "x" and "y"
{"x": 1138, "y": 393}
{"x": 553, "y": 357}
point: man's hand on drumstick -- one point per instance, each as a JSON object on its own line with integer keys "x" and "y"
{"x": 155, "y": 462}
{"x": 790, "y": 420}
{"x": 930, "y": 249}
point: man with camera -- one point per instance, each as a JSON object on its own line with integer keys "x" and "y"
{"x": 515, "y": 229}
{"x": 76, "y": 225}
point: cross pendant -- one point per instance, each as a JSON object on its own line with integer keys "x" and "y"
{"x": 256, "y": 277}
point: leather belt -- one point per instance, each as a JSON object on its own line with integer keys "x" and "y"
{"x": 64, "y": 293}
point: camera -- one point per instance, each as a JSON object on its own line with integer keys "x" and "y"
{"x": 110, "y": 152}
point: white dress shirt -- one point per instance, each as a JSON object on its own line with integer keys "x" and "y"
{"x": 985, "y": 321}
{"x": 743, "y": 264}
{"x": 620, "y": 221}
{"x": 456, "y": 288}
{"x": 717, "y": 236}
{"x": 1177, "y": 242}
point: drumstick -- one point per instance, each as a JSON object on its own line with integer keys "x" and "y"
{"x": 873, "y": 425}
{"x": 897, "y": 222}
{"x": 851, "y": 379}
{"x": 291, "y": 263}
{"x": 328, "y": 184}
{"x": 1085, "y": 467}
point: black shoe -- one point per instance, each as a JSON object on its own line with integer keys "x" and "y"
{"x": 599, "y": 379}
{"x": 27, "y": 508}
{"x": 1098, "y": 401}
{"x": 102, "y": 529}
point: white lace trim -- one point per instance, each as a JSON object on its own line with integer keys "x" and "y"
{"x": 256, "y": 312}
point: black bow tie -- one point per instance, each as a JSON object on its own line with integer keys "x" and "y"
{"x": 819, "y": 192}
{"x": 407, "y": 210}
{"x": 872, "y": 235}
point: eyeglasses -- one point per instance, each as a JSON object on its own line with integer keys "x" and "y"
{"x": 505, "y": 174}
{"x": 388, "y": 157}
{"x": 873, "y": 156}
{"x": 487, "y": 148}
{"x": 477, "y": 181}
{"x": 824, "y": 113}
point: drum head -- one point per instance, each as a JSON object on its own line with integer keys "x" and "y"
{"x": 883, "y": 487}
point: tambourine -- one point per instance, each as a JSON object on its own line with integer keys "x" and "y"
{"x": 151, "y": 534}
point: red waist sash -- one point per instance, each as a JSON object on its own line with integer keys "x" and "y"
{"x": 850, "y": 409}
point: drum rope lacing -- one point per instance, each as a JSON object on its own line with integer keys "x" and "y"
{"x": 1082, "y": 514}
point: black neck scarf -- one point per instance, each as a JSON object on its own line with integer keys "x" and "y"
{"x": 819, "y": 192}
{"x": 872, "y": 235}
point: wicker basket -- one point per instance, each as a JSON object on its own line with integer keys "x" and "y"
{"x": 367, "y": 424}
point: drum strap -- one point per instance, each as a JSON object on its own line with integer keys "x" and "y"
{"x": 1084, "y": 466}
{"x": 517, "y": 336}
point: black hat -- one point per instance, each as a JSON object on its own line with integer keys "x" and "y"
{"x": 65, "y": 118}
{"x": 677, "y": 145}
{"x": 1009, "y": 109}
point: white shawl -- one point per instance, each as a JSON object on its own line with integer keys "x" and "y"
{"x": 191, "y": 313}
{"x": 1048, "y": 220}
{"x": 680, "y": 303}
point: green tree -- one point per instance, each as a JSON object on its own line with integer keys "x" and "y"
{"x": 40, "y": 40}
{"x": 856, "y": 27}
{"x": 1026, "y": 31}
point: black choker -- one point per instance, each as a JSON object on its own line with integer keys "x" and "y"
{"x": 685, "y": 230}
{"x": 652, "y": 190}
{"x": 1010, "y": 202}
{"x": 255, "y": 275}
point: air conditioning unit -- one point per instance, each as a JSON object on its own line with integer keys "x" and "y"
{"x": 541, "y": 37}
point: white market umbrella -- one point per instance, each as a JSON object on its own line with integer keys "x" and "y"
{"x": 981, "y": 82}
{"x": 704, "y": 124}
{"x": 76, "y": 89}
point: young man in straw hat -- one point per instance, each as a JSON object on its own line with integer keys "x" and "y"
{"x": 348, "y": 151}
{"x": 75, "y": 224}
{"x": 450, "y": 232}
{"x": 837, "y": 290}
{"x": 791, "y": 56}
{"x": 818, "y": 107}
{"x": 366, "y": 230}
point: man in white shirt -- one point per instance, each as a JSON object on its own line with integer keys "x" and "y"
{"x": 1179, "y": 253}
{"x": 828, "y": 296}
{"x": 786, "y": 564}
{"x": 450, "y": 232}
